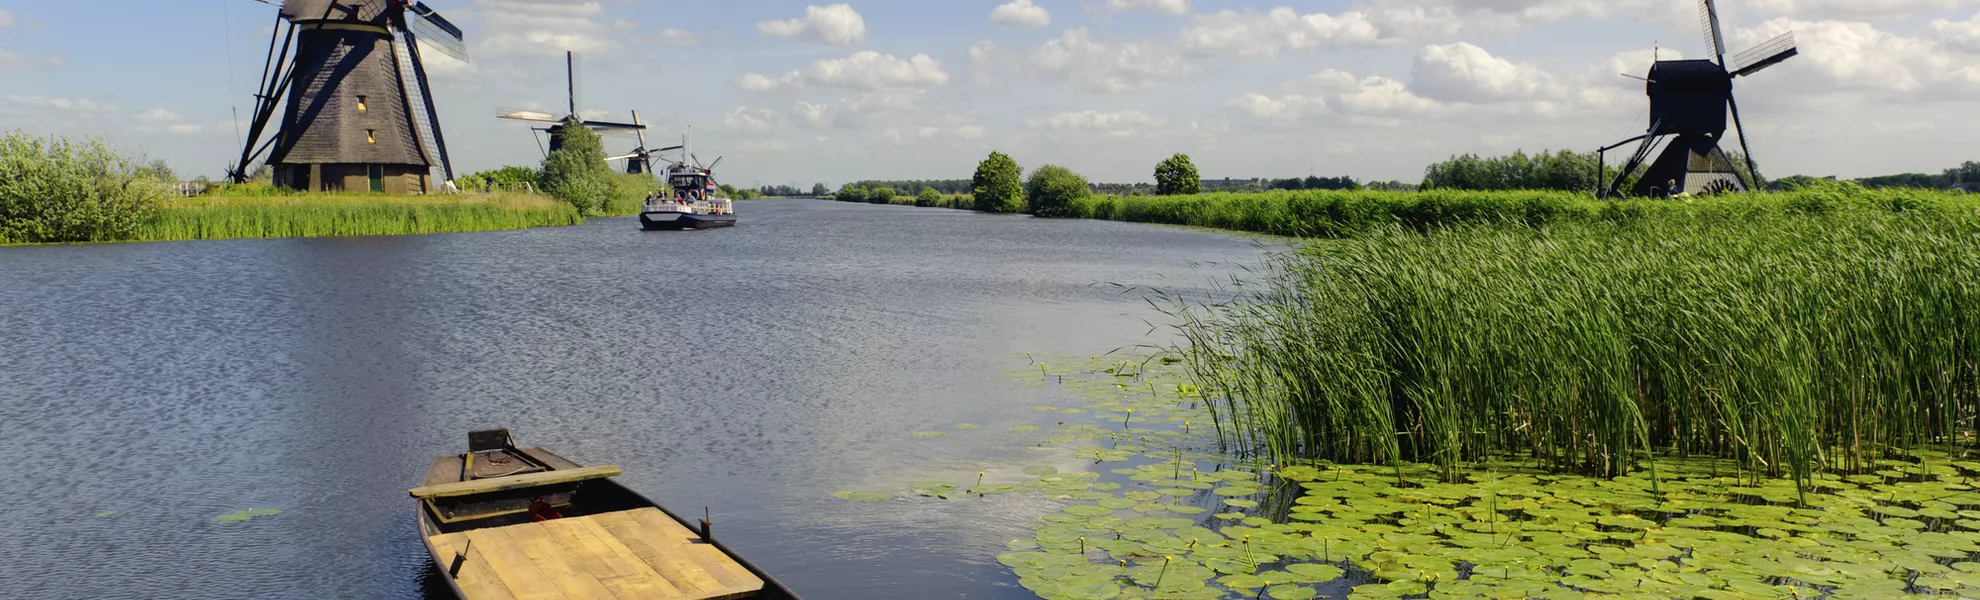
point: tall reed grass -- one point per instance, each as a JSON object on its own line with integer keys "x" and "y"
{"x": 324, "y": 215}
{"x": 1796, "y": 333}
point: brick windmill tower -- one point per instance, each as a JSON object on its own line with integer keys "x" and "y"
{"x": 1689, "y": 100}
{"x": 356, "y": 112}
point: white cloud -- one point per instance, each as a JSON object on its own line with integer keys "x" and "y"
{"x": 766, "y": 147}
{"x": 1021, "y": 13}
{"x": 1844, "y": 55}
{"x": 1962, "y": 36}
{"x": 1110, "y": 68}
{"x": 1251, "y": 33}
{"x": 1118, "y": 124}
{"x": 1851, "y": 9}
{"x": 540, "y": 27}
{"x": 836, "y": 24}
{"x": 957, "y": 133}
{"x": 864, "y": 70}
{"x": 670, "y": 37}
{"x": 1462, "y": 72}
{"x": 83, "y": 106}
{"x": 7, "y": 19}
{"x": 755, "y": 121}
{"x": 159, "y": 115}
{"x": 625, "y": 24}
{"x": 1160, "y": 7}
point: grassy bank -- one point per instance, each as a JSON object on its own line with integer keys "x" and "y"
{"x": 1794, "y": 333}
{"x": 324, "y": 215}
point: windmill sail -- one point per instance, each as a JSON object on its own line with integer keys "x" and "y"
{"x": 436, "y": 30}
{"x": 1767, "y": 54}
{"x": 1708, "y": 15}
{"x": 421, "y": 104}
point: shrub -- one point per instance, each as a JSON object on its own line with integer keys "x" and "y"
{"x": 1177, "y": 176}
{"x": 1052, "y": 190}
{"x": 880, "y": 195}
{"x": 60, "y": 190}
{"x": 628, "y": 193}
{"x": 928, "y": 197}
{"x": 998, "y": 185}
{"x": 576, "y": 172}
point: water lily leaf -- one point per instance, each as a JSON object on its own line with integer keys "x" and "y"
{"x": 1024, "y": 428}
{"x": 1040, "y": 471}
{"x": 1241, "y": 503}
{"x": 931, "y": 434}
{"x": 1311, "y": 573}
{"x": 1291, "y": 592}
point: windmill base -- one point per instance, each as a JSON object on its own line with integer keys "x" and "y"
{"x": 1691, "y": 164}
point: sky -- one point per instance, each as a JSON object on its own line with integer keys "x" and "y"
{"x": 794, "y": 93}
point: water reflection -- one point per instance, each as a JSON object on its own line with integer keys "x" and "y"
{"x": 755, "y": 370}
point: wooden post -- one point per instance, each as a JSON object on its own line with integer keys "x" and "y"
{"x": 707, "y": 524}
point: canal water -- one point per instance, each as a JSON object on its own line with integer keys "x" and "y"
{"x": 146, "y": 389}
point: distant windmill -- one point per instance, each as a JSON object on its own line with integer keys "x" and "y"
{"x": 359, "y": 114}
{"x": 556, "y": 124}
{"x": 1689, "y": 99}
{"x": 640, "y": 160}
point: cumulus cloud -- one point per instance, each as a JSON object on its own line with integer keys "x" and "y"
{"x": 836, "y": 24}
{"x": 540, "y": 27}
{"x": 21, "y": 61}
{"x": 1102, "y": 67}
{"x": 1851, "y": 9}
{"x": 1252, "y": 33}
{"x": 755, "y": 121}
{"x": 1021, "y": 13}
{"x": 1118, "y": 124}
{"x": 1463, "y": 72}
{"x": 7, "y": 19}
{"x": 1160, "y": 7}
{"x": 159, "y": 120}
{"x": 670, "y": 37}
{"x": 864, "y": 70}
{"x": 1853, "y": 55}
{"x": 1963, "y": 36}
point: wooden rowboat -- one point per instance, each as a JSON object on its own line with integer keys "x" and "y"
{"x": 507, "y": 523}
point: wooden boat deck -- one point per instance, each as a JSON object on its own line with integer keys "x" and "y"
{"x": 639, "y": 554}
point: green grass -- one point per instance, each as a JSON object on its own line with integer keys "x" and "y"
{"x": 325, "y": 215}
{"x": 1796, "y": 333}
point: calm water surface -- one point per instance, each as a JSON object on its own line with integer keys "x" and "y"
{"x": 753, "y": 370}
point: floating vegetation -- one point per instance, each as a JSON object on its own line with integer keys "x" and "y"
{"x": 931, "y": 434}
{"x": 242, "y": 516}
{"x": 108, "y": 513}
{"x": 1177, "y": 519}
{"x": 967, "y": 426}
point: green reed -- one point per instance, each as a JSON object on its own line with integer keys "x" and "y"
{"x": 350, "y": 215}
{"x": 1797, "y": 333}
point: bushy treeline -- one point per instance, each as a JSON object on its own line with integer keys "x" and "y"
{"x": 1966, "y": 173}
{"x": 1315, "y": 183}
{"x": 914, "y": 186}
{"x": 63, "y": 190}
{"x": 1563, "y": 170}
{"x": 784, "y": 191}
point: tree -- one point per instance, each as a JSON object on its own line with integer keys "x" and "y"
{"x": 576, "y": 172}
{"x": 998, "y": 185}
{"x": 928, "y": 197}
{"x": 1966, "y": 172}
{"x": 880, "y": 195}
{"x": 1177, "y": 176}
{"x": 62, "y": 190}
{"x": 820, "y": 190}
{"x": 1052, "y": 190}
{"x": 158, "y": 170}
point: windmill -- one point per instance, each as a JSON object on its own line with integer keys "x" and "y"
{"x": 356, "y": 110}
{"x": 1689, "y": 99}
{"x": 640, "y": 160}
{"x": 555, "y": 125}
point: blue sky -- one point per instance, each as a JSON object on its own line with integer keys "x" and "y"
{"x": 798, "y": 92}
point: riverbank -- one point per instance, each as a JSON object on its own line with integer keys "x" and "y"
{"x": 328, "y": 215}
{"x": 1347, "y": 214}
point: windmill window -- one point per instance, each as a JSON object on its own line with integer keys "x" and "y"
{"x": 371, "y": 136}
{"x": 361, "y": 103}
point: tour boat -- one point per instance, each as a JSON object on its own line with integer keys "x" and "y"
{"x": 694, "y": 202}
{"x": 507, "y": 522}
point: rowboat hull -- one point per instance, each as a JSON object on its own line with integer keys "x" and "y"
{"x": 604, "y": 496}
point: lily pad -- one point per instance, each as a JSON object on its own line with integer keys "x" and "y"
{"x": 243, "y": 516}
{"x": 931, "y": 434}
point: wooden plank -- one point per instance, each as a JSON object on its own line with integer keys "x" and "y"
{"x": 565, "y": 569}
{"x": 513, "y": 482}
{"x": 686, "y": 543}
{"x": 514, "y": 566}
{"x": 605, "y": 558}
{"x": 678, "y": 570}
{"x": 549, "y": 458}
{"x": 476, "y": 579}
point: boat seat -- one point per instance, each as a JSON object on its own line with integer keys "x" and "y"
{"x": 513, "y": 482}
